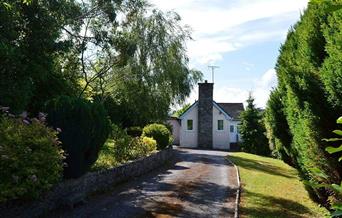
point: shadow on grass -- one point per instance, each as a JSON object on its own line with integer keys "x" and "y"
{"x": 261, "y": 166}
{"x": 269, "y": 206}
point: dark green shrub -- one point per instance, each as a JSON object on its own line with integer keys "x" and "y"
{"x": 252, "y": 130}
{"x": 85, "y": 128}
{"x": 31, "y": 160}
{"x": 134, "y": 131}
{"x": 158, "y": 132}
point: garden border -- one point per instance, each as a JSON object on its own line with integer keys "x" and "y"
{"x": 73, "y": 191}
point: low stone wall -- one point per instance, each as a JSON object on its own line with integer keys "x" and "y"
{"x": 73, "y": 191}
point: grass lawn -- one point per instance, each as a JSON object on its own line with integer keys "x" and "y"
{"x": 271, "y": 188}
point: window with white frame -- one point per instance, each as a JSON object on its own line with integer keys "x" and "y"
{"x": 232, "y": 128}
{"x": 220, "y": 125}
{"x": 190, "y": 125}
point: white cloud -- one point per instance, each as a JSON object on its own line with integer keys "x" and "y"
{"x": 218, "y": 25}
{"x": 230, "y": 95}
{"x": 260, "y": 92}
{"x": 248, "y": 66}
{"x": 221, "y": 26}
{"x": 264, "y": 85}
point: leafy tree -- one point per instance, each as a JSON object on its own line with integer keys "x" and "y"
{"x": 30, "y": 39}
{"x": 136, "y": 63}
{"x": 182, "y": 110}
{"x": 252, "y": 130}
{"x": 157, "y": 74}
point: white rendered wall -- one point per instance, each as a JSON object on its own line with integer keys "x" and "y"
{"x": 220, "y": 137}
{"x": 188, "y": 138}
{"x": 175, "y": 130}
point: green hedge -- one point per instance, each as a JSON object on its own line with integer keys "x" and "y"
{"x": 309, "y": 95}
{"x": 84, "y": 129}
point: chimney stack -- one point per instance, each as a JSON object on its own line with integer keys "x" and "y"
{"x": 205, "y": 115}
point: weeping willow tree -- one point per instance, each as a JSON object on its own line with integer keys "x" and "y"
{"x": 146, "y": 66}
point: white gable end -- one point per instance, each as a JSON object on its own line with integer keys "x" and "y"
{"x": 224, "y": 128}
{"x": 220, "y": 136}
{"x": 188, "y": 137}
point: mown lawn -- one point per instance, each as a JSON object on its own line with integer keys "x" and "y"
{"x": 271, "y": 188}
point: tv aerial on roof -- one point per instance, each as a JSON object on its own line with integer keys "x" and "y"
{"x": 213, "y": 67}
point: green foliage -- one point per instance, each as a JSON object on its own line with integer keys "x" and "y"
{"x": 107, "y": 159}
{"x": 138, "y": 62}
{"x": 336, "y": 188}
{"x": 158, "y": 132}
{"x": 119, "y": 112}
{"x": 252, "y": 130}
{"x": 150, "y": 144}
{"x": 130, "y": 148}
{"x": 309, "y": 75}
{"x": 134, "y": 131}
{"x": 31, "y": 160}
{"x": 85, "y": 128}
{"x": 278, "y": 132}
{"x": 332, "y": 66}
{"x": 27, "y": 80}
{"x": 151, "y": 73}
{"x": 182, "y": 110}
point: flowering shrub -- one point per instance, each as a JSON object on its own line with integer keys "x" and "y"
{"x": 31, "y": 160}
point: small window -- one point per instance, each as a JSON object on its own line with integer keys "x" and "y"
{"x": 190, "y": 124}
{"x": 231, "y": 128}
{"x": 220, "y": 125}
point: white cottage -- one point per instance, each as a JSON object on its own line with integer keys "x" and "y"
{"x": 207, "y": 124}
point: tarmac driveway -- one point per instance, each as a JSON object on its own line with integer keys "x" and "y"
{"x": 198, "y": 183}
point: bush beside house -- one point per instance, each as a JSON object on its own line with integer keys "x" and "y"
{"x": 160, "y": 133}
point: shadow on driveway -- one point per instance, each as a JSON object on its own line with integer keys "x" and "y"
{"x": 195, "y": 184}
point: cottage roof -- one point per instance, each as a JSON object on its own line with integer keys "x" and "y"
{"x": 233, "y": 109}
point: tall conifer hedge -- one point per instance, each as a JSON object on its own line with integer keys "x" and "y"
{"x": 309, "y": 94}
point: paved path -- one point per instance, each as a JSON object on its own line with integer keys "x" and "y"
{"x": 200, "y": 184}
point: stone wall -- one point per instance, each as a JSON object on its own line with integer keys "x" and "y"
{"x": 74, "y": 191}
{"x": 205, "y": 115}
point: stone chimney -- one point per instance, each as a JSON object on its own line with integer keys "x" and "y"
{"x": 205, "y": 115}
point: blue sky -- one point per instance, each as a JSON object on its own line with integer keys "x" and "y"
{"x": 242, "y": 37}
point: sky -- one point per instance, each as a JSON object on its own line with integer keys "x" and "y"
{"x": 242, "y": 37}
